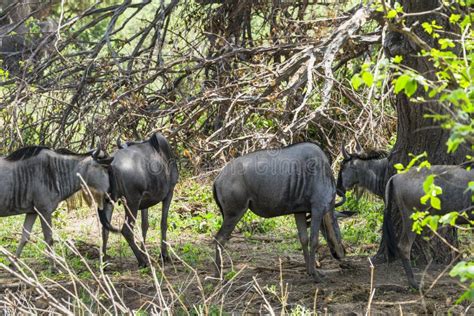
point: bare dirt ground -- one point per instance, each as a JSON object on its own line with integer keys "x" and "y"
{"x": 270, "y": 276}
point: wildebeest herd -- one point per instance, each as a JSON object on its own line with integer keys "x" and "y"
{"x": 296, "y": 179}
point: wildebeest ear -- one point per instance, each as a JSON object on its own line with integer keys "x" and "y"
{"x": 358, "y": 148}
{"x": 344, "y": 152}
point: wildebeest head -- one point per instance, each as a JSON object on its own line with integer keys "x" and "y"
{"x": 348, "y": 175}
{"x": 95, "y": 170}
{"x": 361, "y": 170}
{"x": 332, "y": 234}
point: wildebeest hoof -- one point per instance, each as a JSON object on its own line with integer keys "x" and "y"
{"x": 142, "y": 265}
{"x": 414, "y": 286}
{"x": 106, "y": 258}
{"x": 378, "y": 259}
{"x": 54, "y": 270}
{"x": 165, "y": 258}
{"x": 13, "y": 265}
{"x": 318, "y": 277}
{"x": 345, "y": 265}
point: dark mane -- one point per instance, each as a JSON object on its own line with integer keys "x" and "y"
{"x": 25, "y": 153}
{"x": 370, "y": 155}
{"x": 129, "y": 143}
{"x": 132, "y": 142}
{"x": 67, "y": 152}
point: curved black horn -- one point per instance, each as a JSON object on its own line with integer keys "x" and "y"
{"x": 96, "y": 152}
{"x": 345, "y": 154}
{"x": 358, "y": 148}
{"x": 119, "y": 143}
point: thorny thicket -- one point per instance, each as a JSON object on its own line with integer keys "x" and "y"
{"x": 216, "y": 77}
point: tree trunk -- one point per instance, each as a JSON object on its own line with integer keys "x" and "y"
{"x": 415, "y": 133}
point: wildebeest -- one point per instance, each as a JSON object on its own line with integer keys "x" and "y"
{"x": 142, "y": 174}
{"x": 33, "y": 180}
{"x": 108, "y": 211}
{"x": 403, "y": 193}
{"x": 293, "y": 180}
{"x": 363, "y": 169}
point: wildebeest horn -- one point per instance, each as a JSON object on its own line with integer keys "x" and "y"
{"x": 344, "y": 152}
{"x": 358, "y": 148}
{"x": 96, "y": 153}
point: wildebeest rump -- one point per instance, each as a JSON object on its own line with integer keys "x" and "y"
{"x": 403, "y": 193}
{"x": 143, "y": 174}
{"x": 33, "y": 180}
{"x": 293, "y": 180}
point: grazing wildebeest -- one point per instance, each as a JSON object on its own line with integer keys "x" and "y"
{"x": 108, "y": 211}
{"x": 363, "y": 169}
{"x": 143, "y": 174}
{"x": 293, "y": 180}
{"x": 403, "y": 193}
{"x": 33, "y": 180}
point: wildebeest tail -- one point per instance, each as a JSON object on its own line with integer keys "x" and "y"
{"x": 108, "y": 200}
{"x": 342, "y": 194}
{"x": 161, "y": 145}
{"x": 216, "y": 198}
{"x": 387, "y": 226}
{"x": 155, "y": 142}
{"x": 113, "y": 184}
{"x": 106, "y": 223}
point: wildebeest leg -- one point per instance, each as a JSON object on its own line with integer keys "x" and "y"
{"x": 301, "y": 224}
{"x": 25, "y": 236}
{"x": 405, "y": 244}
{"x": 127, "y": 232}
{"x": 108, "y": 210}
{"x": 164, "y": 225}
{"x": 316, "y": 219}
{"x": 145, "y": 223}
{"x": 48, "y": 235}
{"x": 223, "y": 235}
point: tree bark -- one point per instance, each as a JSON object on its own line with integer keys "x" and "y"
{"x": 415, "y": 133}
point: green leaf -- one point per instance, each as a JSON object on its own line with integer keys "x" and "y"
{"x": 424, "y": 199}
{"x": 424, "y": 164}
{"x": 401, "y": 83}
{"x": 411, "y": 87}
{"x": 449, "y": 218}
{"x": 398, "y": 166}
{"x": 356, "y": 81}
{"x": 446, "y": 42}
{"x": 368, "y": 78}
{"x": 391, "y": 14}
{"x": 464, "y": 270}
{"x": 428, "y": 183}
{"x": 435, "y": 203}
{"x": 433, "y": 222}
{"x": 427, "y": 27}
{"x": 454, "y": 18}
{"x": 397, "y": 59}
